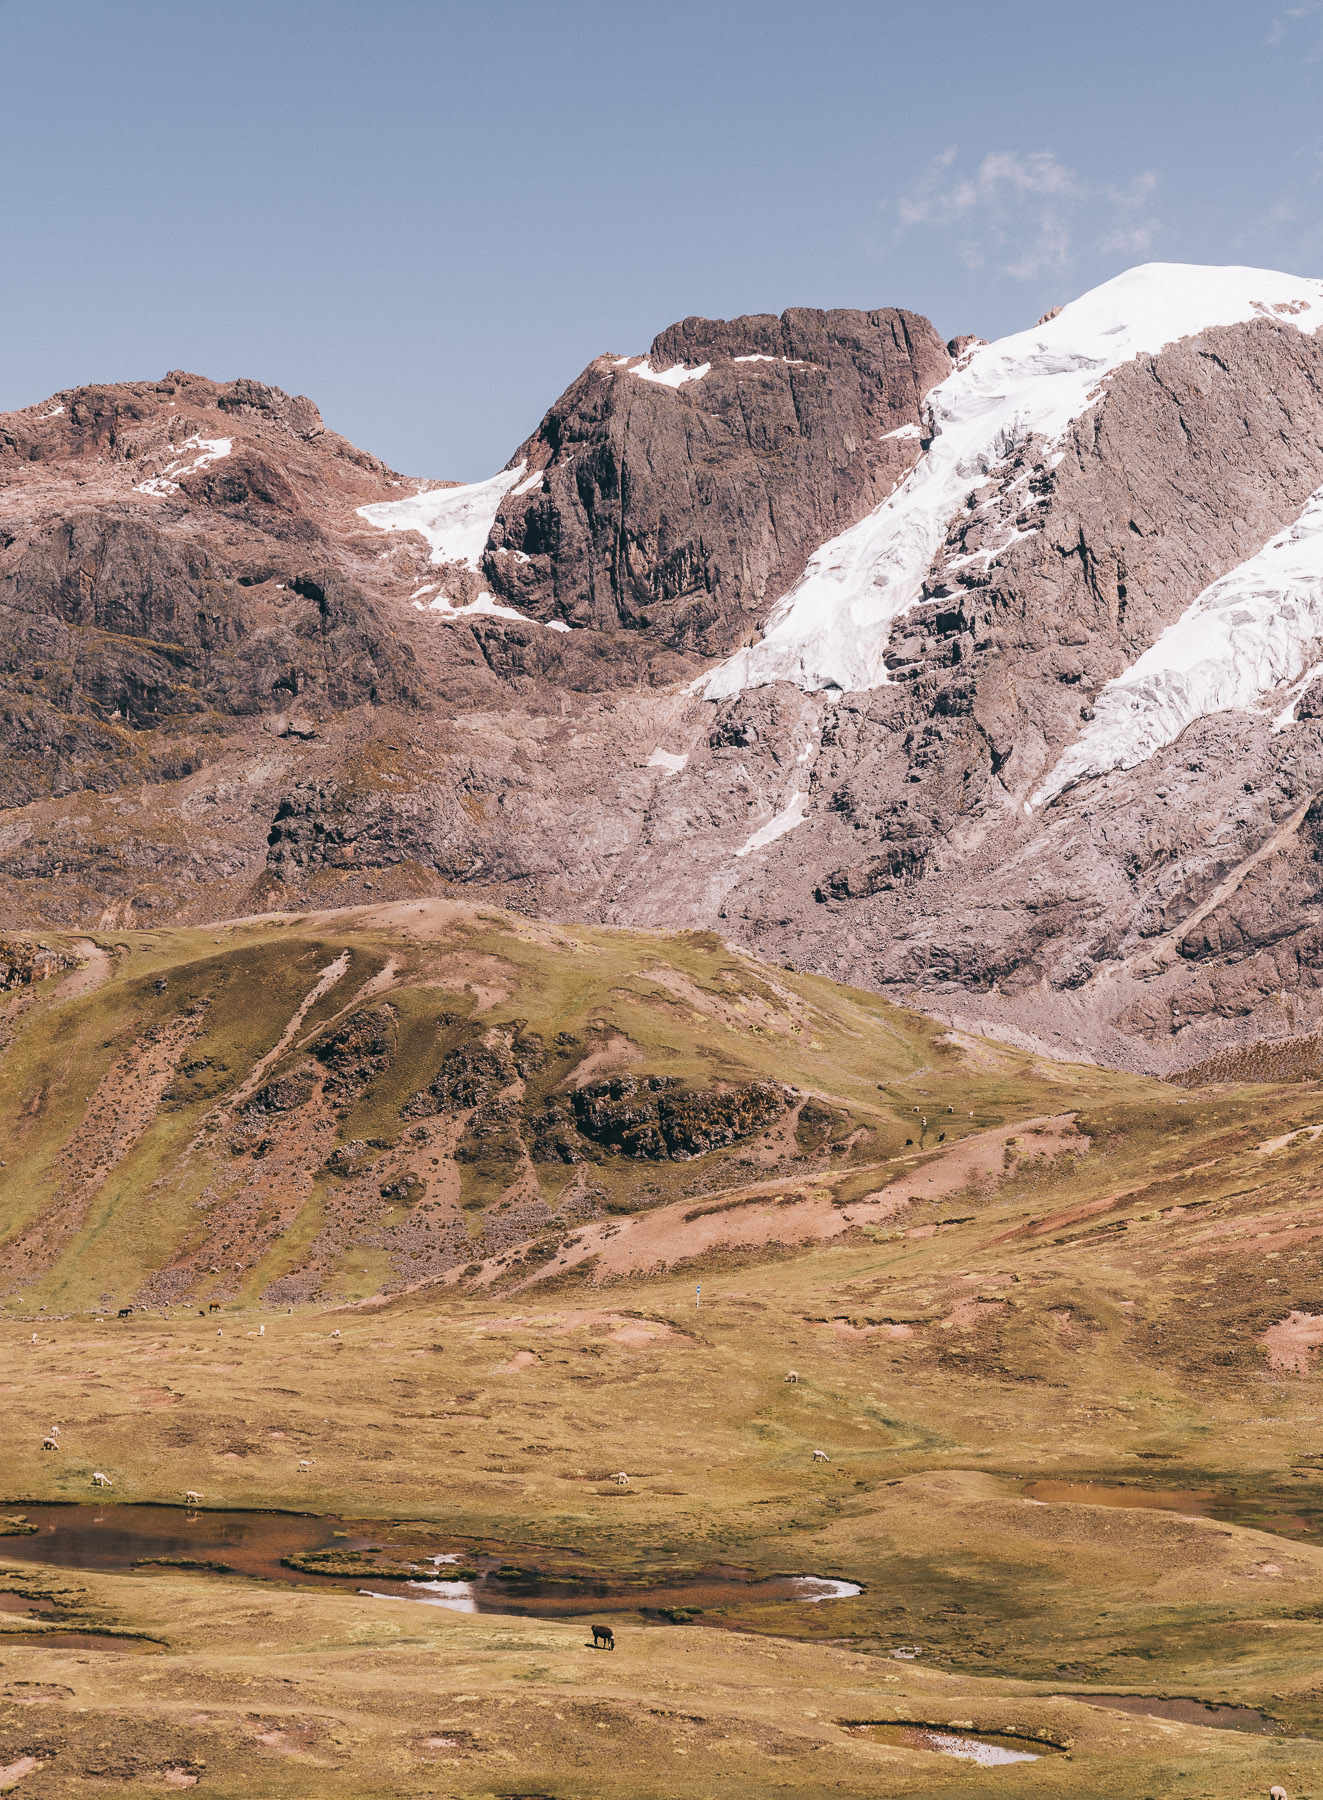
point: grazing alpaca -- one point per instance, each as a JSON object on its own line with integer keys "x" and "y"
{"x": 603, "y": 1634}
{"x": 793, "y": 1375}
{"x": 192, "y": 1497}
{"x": 50, "y": 1443}
{"x": 305, "y": 1462}
{"x": 821, "y": 1456}
{"x": 100, "y": 1480}
{"x": 621, "y": 1480}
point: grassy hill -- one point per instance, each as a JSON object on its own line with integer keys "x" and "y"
{"x": 334, "y": 1105}
{"x": 986, "y": 1272}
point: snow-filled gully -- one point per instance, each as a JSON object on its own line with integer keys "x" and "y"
{"x": 457, "y": 521}
{"x": 209, "y": 450}
{"x": 1256, "y": 629}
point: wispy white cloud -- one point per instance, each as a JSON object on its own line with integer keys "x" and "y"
{"x": 1290, "y": 16}
{"x": 1028, "y": 215}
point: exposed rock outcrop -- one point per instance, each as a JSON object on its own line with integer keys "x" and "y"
{"x": 684, "y": 510}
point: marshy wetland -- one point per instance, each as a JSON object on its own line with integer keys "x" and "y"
{"x": 1059, "y": 1367}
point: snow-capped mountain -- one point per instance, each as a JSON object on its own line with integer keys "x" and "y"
{"x": 983, "y": 674}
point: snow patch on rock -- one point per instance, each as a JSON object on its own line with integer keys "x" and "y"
{"x": 832, "y": 628}
{"x": 674, "y": 377}
{"x": 794, "y": 813}
{"x": 667, "y": 759}
{"x": 485, "y": 606}
{"x": 456, "y": 521}
{"x": 167, "y": 482}
{"x": 1253, "y": 630}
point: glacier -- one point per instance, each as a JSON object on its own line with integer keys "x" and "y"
{"x": 1254, "y": 630}
{"x": 832, "y": 628}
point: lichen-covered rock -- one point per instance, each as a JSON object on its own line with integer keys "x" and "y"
{"x": 23, "y": 961}
{"x": 285, "y": 1094}
{"x": 651, "y": 1118}
{"x": 492, "y": 1134}
{"x": 356, "y": 1051}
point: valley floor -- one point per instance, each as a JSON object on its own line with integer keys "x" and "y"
{"x": 939, "y": 1367}
{"x": 1097, "y": 1280}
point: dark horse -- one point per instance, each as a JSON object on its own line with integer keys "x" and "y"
{"x": 603, "y": 1634}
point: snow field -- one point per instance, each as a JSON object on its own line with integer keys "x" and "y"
{"x": 457, "y": 521}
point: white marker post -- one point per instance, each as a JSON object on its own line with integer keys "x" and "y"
{"x": 698, "y": 1295}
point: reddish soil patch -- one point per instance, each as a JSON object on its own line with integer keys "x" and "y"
{"x": 1290, "y": 1344}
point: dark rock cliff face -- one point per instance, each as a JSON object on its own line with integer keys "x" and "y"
{"x": 684, "y": 511}
{"x": 217, "y": 596}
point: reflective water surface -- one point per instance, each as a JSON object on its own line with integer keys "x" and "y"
{"x": 1221, "y": 1717}
{"x": 394, "y": 1560}
{"x": 987, "y": 1748}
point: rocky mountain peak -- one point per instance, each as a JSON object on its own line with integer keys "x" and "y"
{"x": 981, "y": 673}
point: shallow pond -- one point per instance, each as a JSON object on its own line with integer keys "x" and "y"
{"x": 79, "y": 1640}
{"x": 1221, "y": 1717}
{"x": 1194, "y": 1501}
{"x": 1293, "y": 1513}
{"x": 392, "y": 1561}
{"x": 987, "y": 1748}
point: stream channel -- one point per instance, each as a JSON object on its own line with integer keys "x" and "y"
{"x": 393, "y": 1561}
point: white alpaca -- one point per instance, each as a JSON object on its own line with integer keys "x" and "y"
{"x": 100, "y": 1480}
{"x": 821, "y": 1456}
{"x": 192, "y": 1497}
{"x": 793, "y": 1375}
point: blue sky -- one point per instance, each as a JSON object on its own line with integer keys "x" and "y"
{"x": 428, "y": 215}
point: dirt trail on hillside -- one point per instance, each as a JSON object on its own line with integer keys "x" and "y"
{"x": 324, "y": 983}
{"x": 796, "y": 1212}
